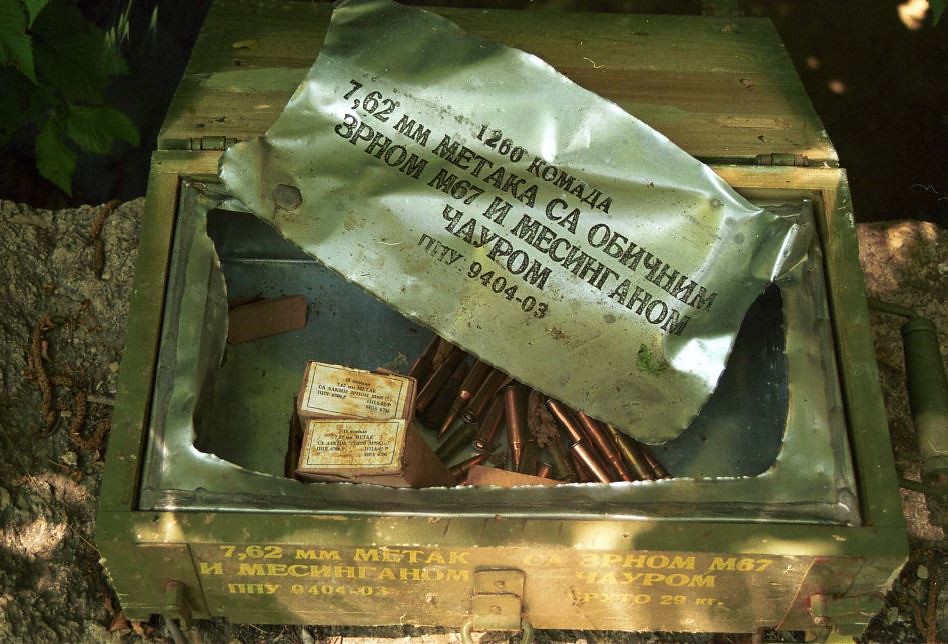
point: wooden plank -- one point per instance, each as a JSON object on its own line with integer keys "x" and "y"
{"x": 868, "y": 426}
{"x": 265, "y": 318}
{"x": 718, "y": 87}
{"x": 126, "y": 439}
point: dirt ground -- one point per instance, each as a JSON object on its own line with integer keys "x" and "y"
{"x": 66, "y": 278}
{"x": 61, "y": 330}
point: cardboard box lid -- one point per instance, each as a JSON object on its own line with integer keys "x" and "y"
{"x": 337, "y": 391}
{"x": 722, "y": 88}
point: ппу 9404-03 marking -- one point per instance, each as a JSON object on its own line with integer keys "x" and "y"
{"x": 499, "y": 284}
{"x": 495, "y": 280}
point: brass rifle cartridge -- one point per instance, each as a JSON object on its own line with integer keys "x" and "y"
{"x": 455, "y": 441}
{"x": 472, "y": 382}
{"x": 562, "y": 468}
{"x": 658, "y": 468}
{"x": 577, "y": 444}
{"x": 489, "y": 426}
{"x": 545, "y": 470}
{"x": 422, "y": 366}
{"x": 459, "y": 471}
{"x": 563, "y": 416}
{"x": 592, "y": 462}
{"x": 583, "y": 475}
{"x": 478, "y": 403}
{"x": 438, "y": 411}
{"x": 429, "y": 391}
{"x": 600, "y": 438}
{"x": 530, "y": 460}
{"x": 515, "y": 401}
{"x": 632, "y": 453}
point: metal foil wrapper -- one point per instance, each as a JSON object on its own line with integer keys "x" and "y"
{"x": 531, "y": 222}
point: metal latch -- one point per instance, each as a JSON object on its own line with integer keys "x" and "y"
{"x": 497, "y": 604}
{"x": 176, "y": 603}
{"x": 782, "y": 159}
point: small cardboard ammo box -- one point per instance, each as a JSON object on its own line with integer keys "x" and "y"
{"x": 785, "y": 511}
{"x": 358, "y": 426}
{"x": 381, "y": 452}
{"x": 334, "y": 391}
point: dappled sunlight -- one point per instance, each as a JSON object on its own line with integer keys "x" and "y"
{"x": 36, "y": 538}
{"x": 912, "y": 13}
{"x": 901, "y": 239}
{"x": 837, "y": 86}
{"x": 169, "y": 528}
{"x": 60, "y": 486}
{"x": 41, "y": 535}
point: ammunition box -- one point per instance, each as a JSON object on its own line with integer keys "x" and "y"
{"x": 334, "y": 391}
{"x": 784, "y": 512}
{"x": 386, "y": 452}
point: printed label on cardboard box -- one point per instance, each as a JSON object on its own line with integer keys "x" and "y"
{"x": 349, "y": 444}
{"x": 334, "y": 391}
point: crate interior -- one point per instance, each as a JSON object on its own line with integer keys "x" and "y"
{"x": 770, "y": 444}
{"x": 247, "y": 416}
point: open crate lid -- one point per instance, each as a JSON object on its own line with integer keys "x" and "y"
{"x": 722, "y": 88}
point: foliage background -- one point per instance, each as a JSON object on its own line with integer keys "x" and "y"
{"x": 84, "y": 85}
{"x": 55, "y": 67}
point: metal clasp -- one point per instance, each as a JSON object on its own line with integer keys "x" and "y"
{"x": 497, "y": 604}
{"x": 176, "y": 603}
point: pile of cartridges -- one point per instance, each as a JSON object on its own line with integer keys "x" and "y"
{"x": 471, "y": 405}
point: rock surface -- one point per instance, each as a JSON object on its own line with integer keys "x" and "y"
{"x": 55, "y": 308}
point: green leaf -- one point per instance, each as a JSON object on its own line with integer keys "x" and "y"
{"x": 33, "y": 7}
{"x": 54, "y": 159}
{"x": 16, "y": 46}
{"x": 94, "y": 129}
{"x": 649, "y": 362}
{"x": 72, "y": 54}
{"x": 938, "y": 8}
{"x": 15, "y": 103}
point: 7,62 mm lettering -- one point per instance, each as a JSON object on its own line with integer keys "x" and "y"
{"x": 372, "y": 103}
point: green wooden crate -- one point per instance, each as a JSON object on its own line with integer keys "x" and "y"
{"x": 189, "y": 535}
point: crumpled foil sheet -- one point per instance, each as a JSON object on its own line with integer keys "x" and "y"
{"x": 535, "y": 224}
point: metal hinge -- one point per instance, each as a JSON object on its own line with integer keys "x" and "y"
{"x": 197, "y": 143}
{"x": 782, "y": 159}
